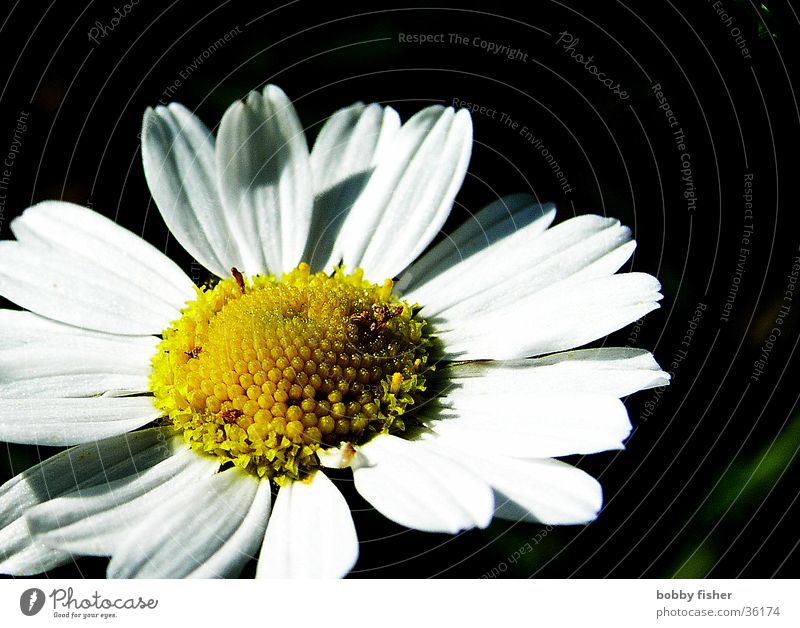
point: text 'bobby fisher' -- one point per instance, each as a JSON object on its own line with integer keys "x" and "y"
{"x": 688, "y": 596}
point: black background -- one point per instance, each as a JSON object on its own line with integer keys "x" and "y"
{"x": 708, "y": 483}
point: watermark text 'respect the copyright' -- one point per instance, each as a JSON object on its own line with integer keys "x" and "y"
{"x": 457, "y": 39}
{"x": 9, "y": 159}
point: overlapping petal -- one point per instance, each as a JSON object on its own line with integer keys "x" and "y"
{"x": 179, "y": 157}
{"x": 349, "y": 146}
{"x": 534, "y": 426}
{"x": 408, "y": 196}
{"x": 70, "y": 421}
{"x": 552, "y": 319}
{"x": 310, "y": 533}
{"x": 539, "y": 490}
{"x": 434, "y": 271}
{"x": 206, "y": 529}
{"x": 419, "y": 487}
{"x": 264, "y": 179}
{"x": 74, "y": 365}
{"x": 95, "y": 520}
{"x": 72, "y": 265}
{"x": 580, "y": 248}
{"x": 91, "y": 464}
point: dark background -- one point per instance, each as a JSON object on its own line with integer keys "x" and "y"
{"x": 708, "y": 484}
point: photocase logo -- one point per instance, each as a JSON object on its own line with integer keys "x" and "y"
{"x": 31, "y": 601}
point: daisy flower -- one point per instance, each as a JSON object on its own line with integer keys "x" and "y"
{"x": 334, "y": 336}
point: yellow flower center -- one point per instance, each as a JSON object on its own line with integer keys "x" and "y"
{"x": 263, "y": 372}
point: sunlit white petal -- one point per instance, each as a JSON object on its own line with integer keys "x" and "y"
{"x": 553, "y": 319}
{"x": 98, "y": 519}
{"x": 180, "y": 166}
{"x": 349, "y": 146}
{"x": 310, "y": 533}
{"x": 186, "y": 531}
{"x": 409, "y": 196}
{"x": 417, "y": 486}
{"x": 87, "y": 465}
{"x": 264, "y": 178}
{"x": 71, "y": 421}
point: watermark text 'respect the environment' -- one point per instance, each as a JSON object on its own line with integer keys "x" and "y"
{"x": 523, "y": 131}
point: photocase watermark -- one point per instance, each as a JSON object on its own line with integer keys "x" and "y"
{"x": 65, "y": 604}
{"x": 523, "y": 131}
{"x": 9, "y": 159}
{"x": 101, "y": 30}
{"x": 565, "y": 40}
{"x": 569, "y": 44}
{"x": 31, "y": 601}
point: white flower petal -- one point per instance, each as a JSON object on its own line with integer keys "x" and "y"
{"x": 554, "y": 319}
{"x": 21, "y": 328}
{"x": 70, "y": 289}
{"x": 77, "y": 366}
{"x": 524, "y": 263}
{"x": 64, "y": 227}
{"x": 244, "y": 543}
{"x": 87, "y": 384}
{"x": 494, "y": 223}
{"x": 82, "y": 466}
{"x": 549, "y": 491}
{"x": 530, "y": 424}
{"x": 70, "y": 421}
{"x": 340, "y": 457}
{"x": 418, "y": 486}
{"x": 179, "y": 160}
{"x": 544, "y": 491}
{"x": 22, "y": 555}
{"x": 98, "y": 519}
{"x": 264, "y": 178}
{"x": 410, "y": 194}
{"x": 349, "y": 146}
{"x": 310, "y": 533}
{"x": 180, "y": 535}
{"x": 615, "y": 371}
{"x": 352, "y": 141}
{"x": 85, "y": 465}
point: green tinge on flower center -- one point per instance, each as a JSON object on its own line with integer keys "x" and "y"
{"x": 263, "y": 372}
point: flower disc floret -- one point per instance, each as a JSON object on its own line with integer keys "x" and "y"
{"x": 263, "y": 372}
